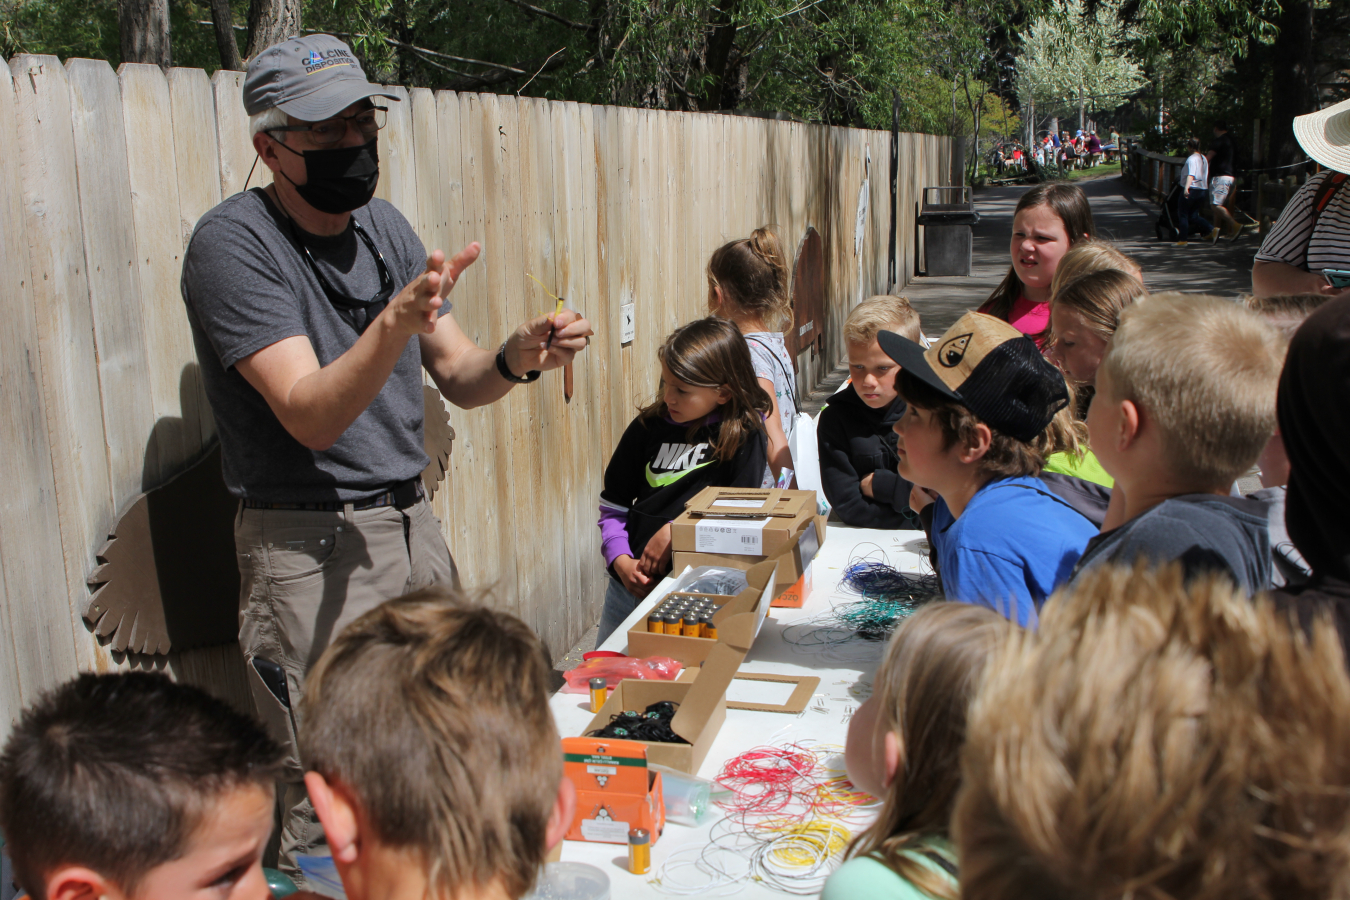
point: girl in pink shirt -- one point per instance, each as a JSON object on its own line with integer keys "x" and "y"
{"x": 1049, "y": 219}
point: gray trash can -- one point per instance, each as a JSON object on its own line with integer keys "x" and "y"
{"x": 946, "y": 217}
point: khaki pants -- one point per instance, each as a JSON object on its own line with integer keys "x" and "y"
{"x": 304, "y": 576}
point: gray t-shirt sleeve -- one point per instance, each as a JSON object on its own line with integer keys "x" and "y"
{"x": 239, "y": 291}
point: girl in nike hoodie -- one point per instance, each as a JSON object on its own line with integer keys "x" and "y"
{"x": 705, "y": 428}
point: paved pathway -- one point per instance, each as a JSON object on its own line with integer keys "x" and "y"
{"x": 1121, "y": 216}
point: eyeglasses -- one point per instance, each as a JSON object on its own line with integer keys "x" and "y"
{"x": 330, "y": 131}
{"x": 355, "y": 312}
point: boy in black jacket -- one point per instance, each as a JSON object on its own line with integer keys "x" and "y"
{"x": 855, "y": 436}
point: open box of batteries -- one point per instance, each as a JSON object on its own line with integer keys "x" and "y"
{"x": 685, "y": 625}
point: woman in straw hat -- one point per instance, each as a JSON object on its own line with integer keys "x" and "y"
{"x": 1313, "y": 231}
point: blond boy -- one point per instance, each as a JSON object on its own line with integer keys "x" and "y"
{"x": 431, "y": 755}
{"x": 854, "y": 434}
{"x": 1158, "y": 737}
{"x": 974, "y": 433}
{"x": 132, "y": 787}
{"x": 1185, "y": 402}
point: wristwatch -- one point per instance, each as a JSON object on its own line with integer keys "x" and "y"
{"x": 505, "y": 370}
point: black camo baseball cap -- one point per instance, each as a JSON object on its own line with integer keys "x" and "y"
{"x": 311, "y": 78}
{"x": 991, "y": 369}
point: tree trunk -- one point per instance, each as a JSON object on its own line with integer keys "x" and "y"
{"x": 717, "y": 62}
{"x": 222, "y": 21}
{"x": 143, "y": 26}
{"x": 1082, "y": 114}
{"x": 1294, "y": 91}
{"x": 271, "y": 22}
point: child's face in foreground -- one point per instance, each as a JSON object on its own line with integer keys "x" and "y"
{"x": 1038, "y": 242}
{"x": 223, "y": 860}
{"x": 873, "y": 374}
{"x": 1076, "y": 350}
{"x": 686, "y": 402}
{"x": 923, "y": 459}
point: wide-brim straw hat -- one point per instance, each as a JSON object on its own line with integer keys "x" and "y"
{"x": 1325, "y": 135}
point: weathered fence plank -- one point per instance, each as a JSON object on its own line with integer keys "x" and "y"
{"x": 54, "y": 645}
{"x": 198, "y": 165}
{"x": 114, "y": 278}
{"x": 174, "y": 379}
{"x": 235, "y": 143}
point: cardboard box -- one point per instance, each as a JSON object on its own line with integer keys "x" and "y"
{"x": 616, "y": 791}
{"x": 702, "y": 702}
{"x": 733, "y": 526}
{"x": 754, "y": 600}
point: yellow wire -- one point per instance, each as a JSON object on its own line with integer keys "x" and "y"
{"x": 557, "y": 311}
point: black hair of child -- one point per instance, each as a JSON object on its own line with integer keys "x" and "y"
{"x": 115, "y": 772}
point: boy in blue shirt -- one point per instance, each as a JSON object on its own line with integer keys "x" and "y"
{"x": 974, "y": 436}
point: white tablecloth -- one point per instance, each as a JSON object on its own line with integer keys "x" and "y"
{"x": 845, "y": 672}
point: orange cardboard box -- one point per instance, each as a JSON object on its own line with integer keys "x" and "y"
{"x": 616, "y": 791}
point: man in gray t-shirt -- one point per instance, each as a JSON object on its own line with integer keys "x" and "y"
{"x": 304, "y": 299}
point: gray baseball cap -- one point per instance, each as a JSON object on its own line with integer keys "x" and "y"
{"x": 311, "y": 78}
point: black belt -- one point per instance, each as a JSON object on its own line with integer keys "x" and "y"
{"x": 401, "y": 496}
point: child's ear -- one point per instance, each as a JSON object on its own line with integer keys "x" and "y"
{"x": 564, "y": 809}
{"x": 975, "y": 449}
{"x": 336, "y": 809}
{"x": 723, "y": 394}
{"x": 1131, "y": 422}
{"x": 79, "y": 883}
{"x": 891, "y": 753}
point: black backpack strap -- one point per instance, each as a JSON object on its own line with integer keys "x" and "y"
{"x": 942, "y": 862}
{"x": 791, "y": 382}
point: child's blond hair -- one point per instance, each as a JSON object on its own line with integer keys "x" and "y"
{"x": 434, "y": 712}
{"x": 1285, "y": 311}
{"x": 1204, "y": 370}
{"x": 1086, "y": 257}
{"x": 1158, "y": 738}
{"x": 884, "y": 312}
{"x": 1098, "y": 297}
{"x": 924, "y": 688}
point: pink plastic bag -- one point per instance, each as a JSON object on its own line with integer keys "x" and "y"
{"x": 616, "y": 668}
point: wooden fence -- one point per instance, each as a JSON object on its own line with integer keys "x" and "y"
{"x": 105, "y": 173}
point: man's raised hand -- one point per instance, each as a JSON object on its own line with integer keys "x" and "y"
{"x": 414, "y": 309}
{"x": 530, "y": 349}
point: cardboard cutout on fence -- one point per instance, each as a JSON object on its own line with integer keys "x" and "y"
{"x": 168, "y": 576}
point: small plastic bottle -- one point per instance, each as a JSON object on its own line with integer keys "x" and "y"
{"x": 656, "y": 622}
{"x": 598, "y": 693}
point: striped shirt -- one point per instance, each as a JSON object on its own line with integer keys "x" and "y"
{"x": 1294, "y": 239}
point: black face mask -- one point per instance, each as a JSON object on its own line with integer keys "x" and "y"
{"x": 339, "y": 179}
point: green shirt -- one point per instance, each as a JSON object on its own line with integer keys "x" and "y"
{"x": 866, "y": 876}
{"x": 1085, "y": 467}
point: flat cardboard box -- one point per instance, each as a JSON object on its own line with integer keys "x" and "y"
{"x": 616, "y": 791}
{"x": 736, "y": 526}
{"x": 702, "y": 702}
{"x": 754, "y": 599}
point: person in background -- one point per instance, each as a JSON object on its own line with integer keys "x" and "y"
{"x": 1094, "y": 149}
{"x": 855, "y": 434}
{"x": 1160, "y": 738}
{"x": 705, "y": 427}
{"x": 1195, "y": 195}
{"x": 1222, "y": 176}
{"x": 748, "y": 284}
{"x": 1312, "y": 234}
{"x": 924, "y": 687}
{"x": 1049, "y": 220}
